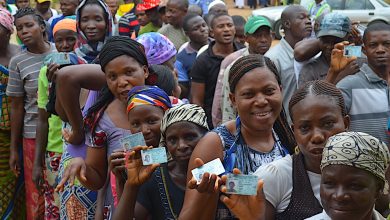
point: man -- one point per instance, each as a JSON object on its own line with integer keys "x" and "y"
{"x": 297, "y": 26}
{"x": 366, "y": 94}
{"x": 128, "y": 24}
{"x": 68, "y": 9}
{"x": 205, "y": 70}
{"x": 113, "y": 5}
{"x": 217, "y": 7}
{"x": 175, "y": 12}
{"x": 317, "y": 8}
{"x": 334, "y": 29}
{"x": 150, "y": 20}
{"x": 239, "y": 23}
{"x": 43, "y": 8}
{"x": 198, "y": 32}
{"x": 258, "y": 35}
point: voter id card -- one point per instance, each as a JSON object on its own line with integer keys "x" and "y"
{"x": 154, "y": 155}
{"x": 241, "y": 184}
{"x": 133, "y": 140}
{"x": 58, "y": 58}
{"x": 212, "y": 167}
{"x": 353, "y": 51}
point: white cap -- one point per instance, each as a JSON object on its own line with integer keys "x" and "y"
{"x": 214, "y": 3}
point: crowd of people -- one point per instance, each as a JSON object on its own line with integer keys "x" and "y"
{"x": 309, "y": 121}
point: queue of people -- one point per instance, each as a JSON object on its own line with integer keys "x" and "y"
{"x": 306, "y": 119}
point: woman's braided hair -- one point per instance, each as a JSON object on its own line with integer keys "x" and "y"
{"x": 247, "y": 63}
{"x": 317, "y": 88}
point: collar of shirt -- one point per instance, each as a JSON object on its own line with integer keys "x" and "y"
{"x": 189, "y": 49}
{"x": 371, "y": 76}
{"x": 290, "y": 51}
{"x": 211, "y": 53}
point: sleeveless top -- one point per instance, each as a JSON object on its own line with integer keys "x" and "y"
{"x": 303, "y": 204}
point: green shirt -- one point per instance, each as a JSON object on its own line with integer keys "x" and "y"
{"x": 148, "y": 28}
{"x": 54, "y": 138}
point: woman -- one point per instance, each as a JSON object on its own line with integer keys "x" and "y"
{"x": 162, "y": 195}
{"x": 22, "y": 87}
{"x": 125, "y": 66}
{"x": 94, "y": 27}
{"x": 258, "y": 136}
{"x": 353, "y": 170}
{"x": 12, "y": 201}
{"x": 292, "y": 184}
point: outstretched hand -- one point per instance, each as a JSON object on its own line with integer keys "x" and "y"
{"x": 338, "y": 62}
{"x": 137, "y": 174}
{"x": 76, "y": 168}
{"x": 242, "y": 206}
{"x": 209, "y": 183}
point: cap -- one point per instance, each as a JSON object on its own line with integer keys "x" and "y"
{"x": 254, "y": 23}
{"x": 42, "y": 1}
{"x": 65, "y": 24}
{"x": 335, "y": 24}
{"x": 147, "y": 4}
{"x": 214, "y": 3}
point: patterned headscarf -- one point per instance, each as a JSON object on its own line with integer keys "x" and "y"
{"x": 158, "y": 48}
{"x": 83, "y": 49}
{"x": 357, "y": 149}
{"x": 187, "y": 112}
{"x": 148, "y": 95}
{"x": 6, "y": 20}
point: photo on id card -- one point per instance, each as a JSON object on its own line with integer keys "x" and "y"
{"x": 154, "y": 155}
{"x": 241, "y": 184}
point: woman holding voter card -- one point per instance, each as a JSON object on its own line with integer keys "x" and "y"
{"x": 258, "y": 136}
{"x": 125, "y": 66}
{"x": 162, "y": 193}
{"x": 353, "y": 168}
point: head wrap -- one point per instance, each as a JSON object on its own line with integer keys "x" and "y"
{"x": 148, "y": 95}
{"x": 158, "y": 48}
{"x": 120, "y": 45}
{"x": 357, "y": 149}
{"x": 65, "y": 24}
{"x": 83, "y": 49}
{"x": 6, "y": 20}
{"x": 187, "y": 112}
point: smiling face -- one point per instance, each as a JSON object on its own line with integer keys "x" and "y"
{"x": 147, "y": 119}
{"x": 258, "y": 99}
{"x": 181, "y": 139}
{"x": 93, "y": 23}
{"x": 377, "y": 49}
{"x": 315, "y": 119}
{"x": 175, "y": 13}
{"x": 68, "y": 7}
{"x": 29, "y": 30}
{"x": 223, "y": 29}
{"x": 348, "y": 192}
{"x": 122, "y": 74}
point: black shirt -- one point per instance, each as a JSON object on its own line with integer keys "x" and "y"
{"x": 205, "y": 70}
{"x": 149, "y": 195}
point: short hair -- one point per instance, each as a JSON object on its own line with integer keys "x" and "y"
{"x": 375, "y": 26}
{"x": 195, "y": 9}
{"x": 318, "y": 88}
{"x": 215, "y": 16}
{"x": 29, "y": 11}
{"x": 238, "y": 20}
{"x": 187, "y": 19}
{"x": 183, "y": 3}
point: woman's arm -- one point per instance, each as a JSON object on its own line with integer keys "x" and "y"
{"x": 69, "y": 81}
{"x": 202, "y": 205}
{"x": 17, "y": 115}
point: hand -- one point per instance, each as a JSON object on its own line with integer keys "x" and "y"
{"x": 14, "y": 163}
{"x": 209, "y": 183}
{"x": 51, "y": 73}
{"x": 37, "y": 175}
{"x": 338, "y": 61}
{"x": 350, "y": 69}
{"x": 117, "y": 163}
{"x": 76, "y": 168}
{"x": 242, "y": 206}
{"x": 137, "y": 174}
{"x": 72, "y": 136}
{"x": 355, "y": 37}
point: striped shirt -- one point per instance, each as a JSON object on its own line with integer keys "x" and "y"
{"x": 366, "y": 97}
{"x": 128, "y": 24}
{"x": 176, "y": 35}
{"x": 23, "y": 82}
